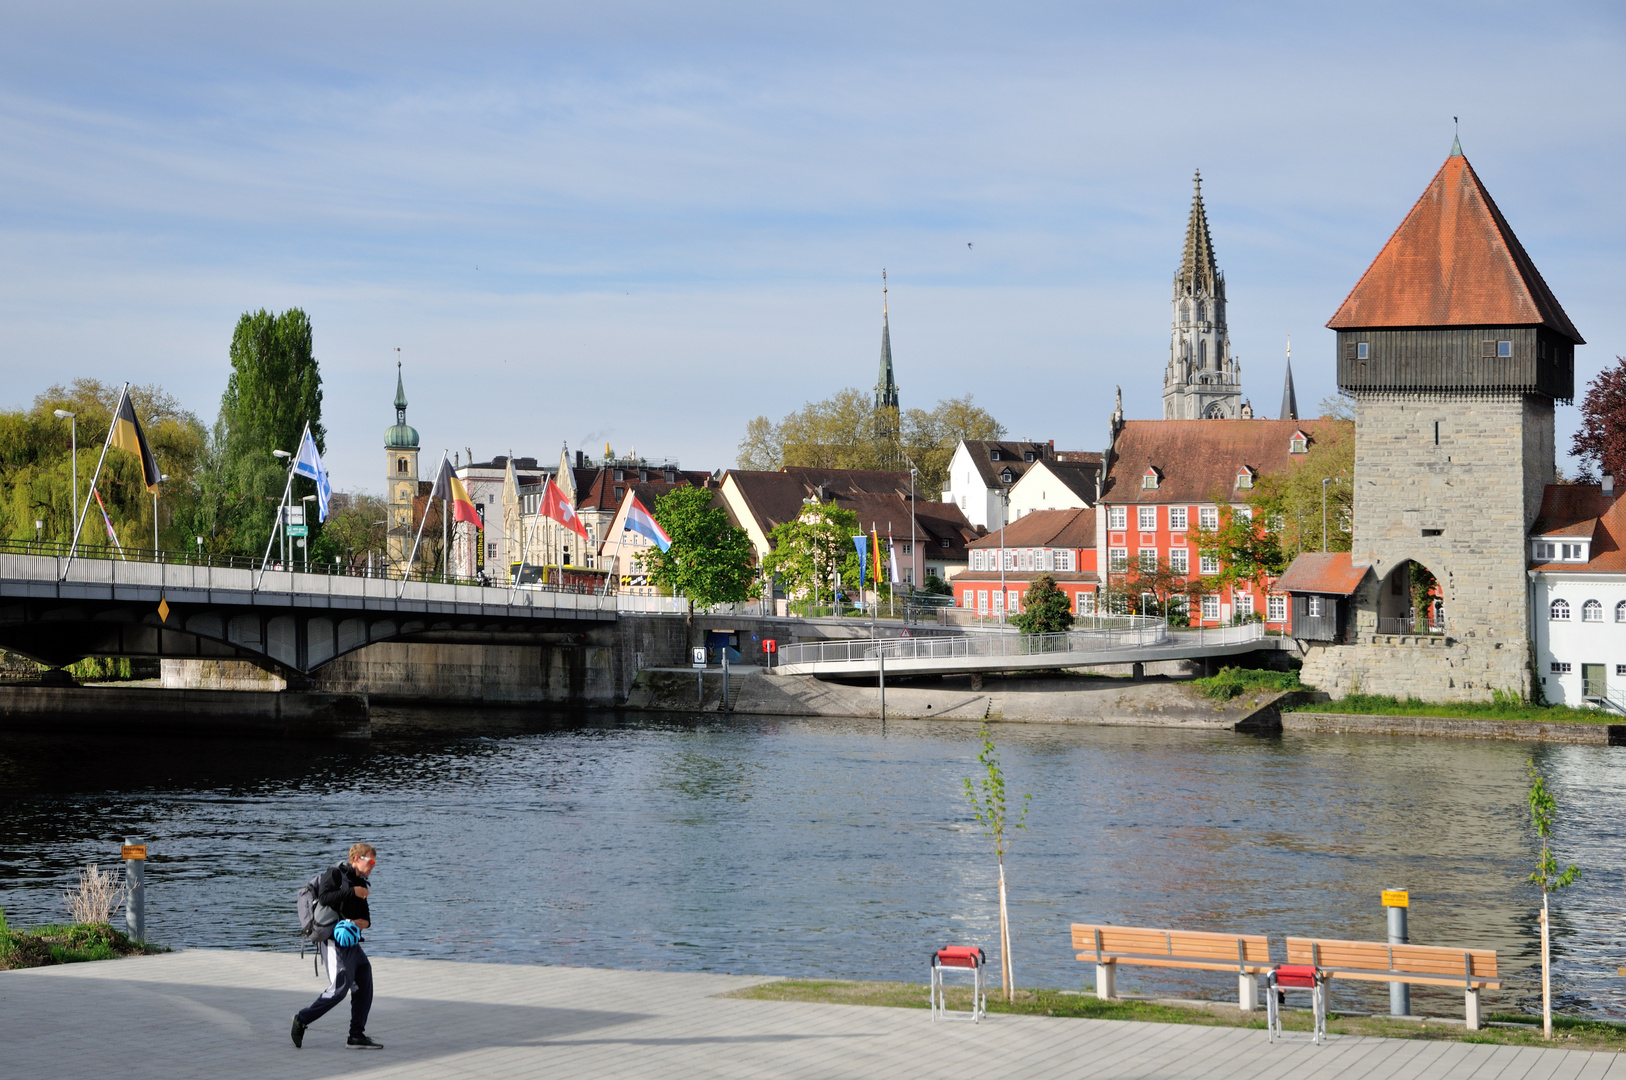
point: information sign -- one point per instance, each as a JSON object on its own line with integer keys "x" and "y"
{"x": 299, "y": 530}
{"x": 1396, "y": 898}
{"x": 133, "y": 851}
{"x": 698, "y": 656}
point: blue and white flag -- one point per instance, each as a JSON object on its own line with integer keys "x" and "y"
{"x": 308, "y": 463}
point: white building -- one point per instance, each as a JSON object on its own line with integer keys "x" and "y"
{"x": 1052, "y": 483}
{"x": 476, "y": 549}
{"x": 1578, "y": 595}
{"x": 984, "y": 471}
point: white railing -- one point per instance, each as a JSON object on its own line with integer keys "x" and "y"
{"x": 1103, "y": 633}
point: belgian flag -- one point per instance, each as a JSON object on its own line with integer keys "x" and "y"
{"x": 126, "y": 434}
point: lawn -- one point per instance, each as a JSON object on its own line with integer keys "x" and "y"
{"x": 1571, "y": 1033}
{"x": 1501, "y": 707}
{"x": 65, "y": 944}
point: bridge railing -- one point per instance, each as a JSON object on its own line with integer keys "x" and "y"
{"x": 1101, "y": 633}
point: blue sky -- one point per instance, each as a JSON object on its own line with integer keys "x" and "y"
{"x": 645, "y": 225}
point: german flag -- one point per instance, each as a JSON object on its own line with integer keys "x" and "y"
{"x": 126, "y": 434}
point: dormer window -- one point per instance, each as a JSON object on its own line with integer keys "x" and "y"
{"x": 620, "y": 474}
{"x": 671, "y": 477}
{"x": 1148, "y": 480}
{"x": 1006, "y": 477}
{"x": 1029, "y": 455}
{"x": 1547, "y": 551}
{"x": 1299, "y": 443}
{"x": 1244, "y": 478}
{"x": 993, "y": 454}
{"x": 643, "y": 476}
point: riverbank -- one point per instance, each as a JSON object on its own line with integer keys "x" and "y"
{"x": 73, "y": 943}
{"x": 173, "y": 1015}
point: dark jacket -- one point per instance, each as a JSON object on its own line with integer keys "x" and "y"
{"x": 337, "y": 890}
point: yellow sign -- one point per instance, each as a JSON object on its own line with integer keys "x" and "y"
{"x": 1396, "y": 898}
{"x": 133, "y": 851}
{"x": 163, "y": 610}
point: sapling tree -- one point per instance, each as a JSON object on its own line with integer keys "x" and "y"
{"x": 1542, "y": 811}
{"x": 988, "y": 806}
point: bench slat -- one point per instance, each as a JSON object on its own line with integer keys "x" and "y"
{"x": 1379, "y": 962}
{"x": 1191, "y": 948}
{"x": 1177, "y": 962}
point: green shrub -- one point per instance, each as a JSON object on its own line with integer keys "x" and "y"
{"x": 1233, "y": 682}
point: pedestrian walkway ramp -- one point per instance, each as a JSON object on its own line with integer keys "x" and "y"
{"x": 1121, "y": 639}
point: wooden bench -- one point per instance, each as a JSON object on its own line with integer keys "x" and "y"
{"x": 1426, "y": 965}
{"x": 1246, "y": 954}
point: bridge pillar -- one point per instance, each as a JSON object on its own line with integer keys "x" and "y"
{"x": 1137, "y": 671}
{"x": 976, "y": 680}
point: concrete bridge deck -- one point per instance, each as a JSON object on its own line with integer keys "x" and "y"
{"x": 200, "y": 1015}
{"x": 1113, "y": 640}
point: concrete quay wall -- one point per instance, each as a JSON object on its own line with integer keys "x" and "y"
{"x": 1426, "y": 668}
{"x": 142, "y": 710}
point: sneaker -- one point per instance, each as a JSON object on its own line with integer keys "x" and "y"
{"x": 362, "y": 1042}
{"x": 298, "y": 1033}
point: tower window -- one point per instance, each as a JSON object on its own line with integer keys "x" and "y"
{"x": 401, "y": 465}
{"x": 1504, "y": 348}
{"x": 1436, "y": 433}
{"x": 1363, "y": 350}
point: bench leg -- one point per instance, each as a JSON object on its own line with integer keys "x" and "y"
{"x": 1247, "y": 991}
{"x": 1472, "y": 1010}
{"x": 1106, "y": 981}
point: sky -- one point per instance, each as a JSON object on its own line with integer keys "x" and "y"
{"x": 645, "y": 224}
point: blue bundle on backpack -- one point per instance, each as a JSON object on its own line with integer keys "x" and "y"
{"x": 346, "y": 934}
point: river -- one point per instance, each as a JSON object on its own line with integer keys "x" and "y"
{"x": 817, "y": 847}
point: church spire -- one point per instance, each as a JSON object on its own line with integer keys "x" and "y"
{"x": 400, "y": 396}
{"x": 1203, "y": 380}
{"x": 1197, "y": 269}
{"x": 886, "y": 389}
{"x": 1290, "y": 401}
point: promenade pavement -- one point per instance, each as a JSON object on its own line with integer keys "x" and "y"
{"x": 212, "y": 1014}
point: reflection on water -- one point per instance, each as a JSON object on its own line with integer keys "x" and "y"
{"x": 837, "y": 848}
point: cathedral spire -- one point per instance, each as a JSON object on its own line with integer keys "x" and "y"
{"x": 886, "y": 389}
{"x": 1197, "y": 269}
{"x": 1290, "y": 401}
{"x": 1203, "y": 380}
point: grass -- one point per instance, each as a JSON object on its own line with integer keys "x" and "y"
{"x": 1234, "y": 682}
{"x": 1501, "y": 707}
{"x": 68, "y": 943}
{"x": 1571, "y": 1033}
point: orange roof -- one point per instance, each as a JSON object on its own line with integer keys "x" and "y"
{"x": 1583, "y": 510}
{"x": 1044, "y": 528}
{"x": 1198, "y": 460}
{"x": 1453, "y": 262}
{"x": 1328, "y": 573}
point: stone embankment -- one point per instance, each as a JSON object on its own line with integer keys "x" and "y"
{"x": 1580, "y": 734}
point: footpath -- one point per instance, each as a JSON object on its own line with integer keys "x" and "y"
{"x": 208, "y": 1014}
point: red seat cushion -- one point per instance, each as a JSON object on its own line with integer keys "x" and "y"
{"x": 1301, "y": 975}
{"x": 964, "y": 956}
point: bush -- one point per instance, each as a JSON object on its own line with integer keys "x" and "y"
{"x": 1233, "y": 682}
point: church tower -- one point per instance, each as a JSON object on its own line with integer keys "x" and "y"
{"x": 1203, "y": 381}
{"x": 886, "y": 394}
{"x": 1455, "y": 352}
{"x": 400, "y": 477}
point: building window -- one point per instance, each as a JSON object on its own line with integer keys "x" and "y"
{"x": 1504, "y": 348}
{"x": 1572, "y": 552}
{"x": 1118, "y": 559}
{"x": 1064, "y": 561}
{"x": 999, "y": 601}
{"x": 1148, "y": 560}
{"x": 982, "y": 599}
{"x": 1208, "y": 564}
{"x": 1620, "y": 669}
{"x": 993, "y": 454}
{"x": 1363, "y": 350}
{"x": 1541, "y": 551}
{"x": 1028, "y": 455}
{"x": 1015, "y": 603}
{"x": 1560, "y": 668}
{"x": 1117, "y": 517}
{"x": 491, "y": 551}
{"x": 1592, "y": 611}
{"x": 1208, "y": 517}
{"x": 945, "y": 541}
{"x": 976, "y": 560}
{"x": 1147, "y": 517}
{"x": 619, "y": 491}
{"x": 1179, "y": 560}
{"x": 909, "y": 547}
{"x": 1244, "y": 478}
{"x": 1559, "y": 611}
{"x": 1210, "y": 607}
{"x": 1298, "y": 444}
{"x": 1006, "y": 477}
{"x": 1244, "y": 604}
{"x": 1177, "y": 519}
{"x": 401, "y": 465}
{"x": 1620, "y": 611}
{"x": 1086, "y": 603}
{"x": 1276, "y": 609}
{"x": 620, "y": 474}
{"x": 1313, "y": 607}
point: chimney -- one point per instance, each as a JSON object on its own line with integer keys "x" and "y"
{"x": 1609, "y": 485}
{"x": 578, "y": 459}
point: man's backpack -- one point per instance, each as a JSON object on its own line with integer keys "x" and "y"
{"x": 316, "y": 920}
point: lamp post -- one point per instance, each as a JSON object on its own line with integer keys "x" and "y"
{"x": 162, "y": 478}
{"x": 73, "y": 442}
{"x": 39, "y": 529}
{"x": 1004, "y": 520}
{"x": 1325, "y": 480}
{"x": 200, "y": 550}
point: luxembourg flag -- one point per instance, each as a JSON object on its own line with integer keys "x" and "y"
{"x": 643, "y": 523}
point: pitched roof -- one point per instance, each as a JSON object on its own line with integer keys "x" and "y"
{"x": 1012, "y": 455}
{"x": 1077, "y": 477}
{"x": 1582, "y": 511}
{"x": 599, "y": 491}
{"x": 1045, "y": 529}
{"x": 1330, "y": 573}
{"x": 876, "y": 497}
{"x": 1198, "y": 460}
{"x": 1454, "y": 261}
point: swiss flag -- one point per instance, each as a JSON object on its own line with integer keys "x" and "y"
{"x": 557, "y": 507}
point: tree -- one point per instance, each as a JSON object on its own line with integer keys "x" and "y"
{"x": 356, "y": 524}
{"x": 1337, "y": 407}
{"x": 1543, "y": 809}
{"x": 1601, "y": 439}
{"x": 811, "y": 549}
{"x": 1247, "y": 549}
{"x": 1045, "y": 608}
{"x": 929, "y": 437}
{"x": 1168, "y": 586}
{"x": 274, "y": 390}
{"x": 1289, "y": 502}
{"x": 987, "y": 800}
{"x": 710, "y": 560}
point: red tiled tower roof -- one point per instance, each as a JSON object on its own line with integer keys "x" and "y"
{"x": 1454, "y": 261}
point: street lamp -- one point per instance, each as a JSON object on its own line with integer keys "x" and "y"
{"x": 162, "y": 478}
{"x": 1325, "y": 480}
{"x": 39, "y": 528}
{"x": 1005, "y": 519}
{"x": 73, "y": 436}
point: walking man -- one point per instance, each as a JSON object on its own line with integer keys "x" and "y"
{"x": 344, "y": 890}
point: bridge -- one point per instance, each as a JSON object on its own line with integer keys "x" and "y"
{"x": 1111, "y": 639}
{"x": 56, "y": 611}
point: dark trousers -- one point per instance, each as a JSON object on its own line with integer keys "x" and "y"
{"x": 348, "y": 972}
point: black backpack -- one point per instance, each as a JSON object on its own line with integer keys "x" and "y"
{"x": 316, "y": 920}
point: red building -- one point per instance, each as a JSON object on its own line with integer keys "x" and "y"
{"x": 1168, "y": 479}
{"x": 1060, "y": 543}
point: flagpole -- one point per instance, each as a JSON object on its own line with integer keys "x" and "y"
{"x": 413, "y": 558}
{"x": 287, "y": 488}
{"x": 73, "y": 548}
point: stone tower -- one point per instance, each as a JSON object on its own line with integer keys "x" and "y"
{"x": 1455, "y": 352}
{"x": 400, "y": 477}
{"x": 1203, "y": 381}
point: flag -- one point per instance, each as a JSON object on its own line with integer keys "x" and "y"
{"x": 126, "y": 434}
{"x": 861, "y": 544}
{"x": 111, "y": 535}
{"x": 643, "y": 523}
{"x": 892, "y": 548}
{"x": 448, "y": 486}
{"x": 875, "y": 550}
{"x": 556, "y": 506}
{"x": 308, "y": 463}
